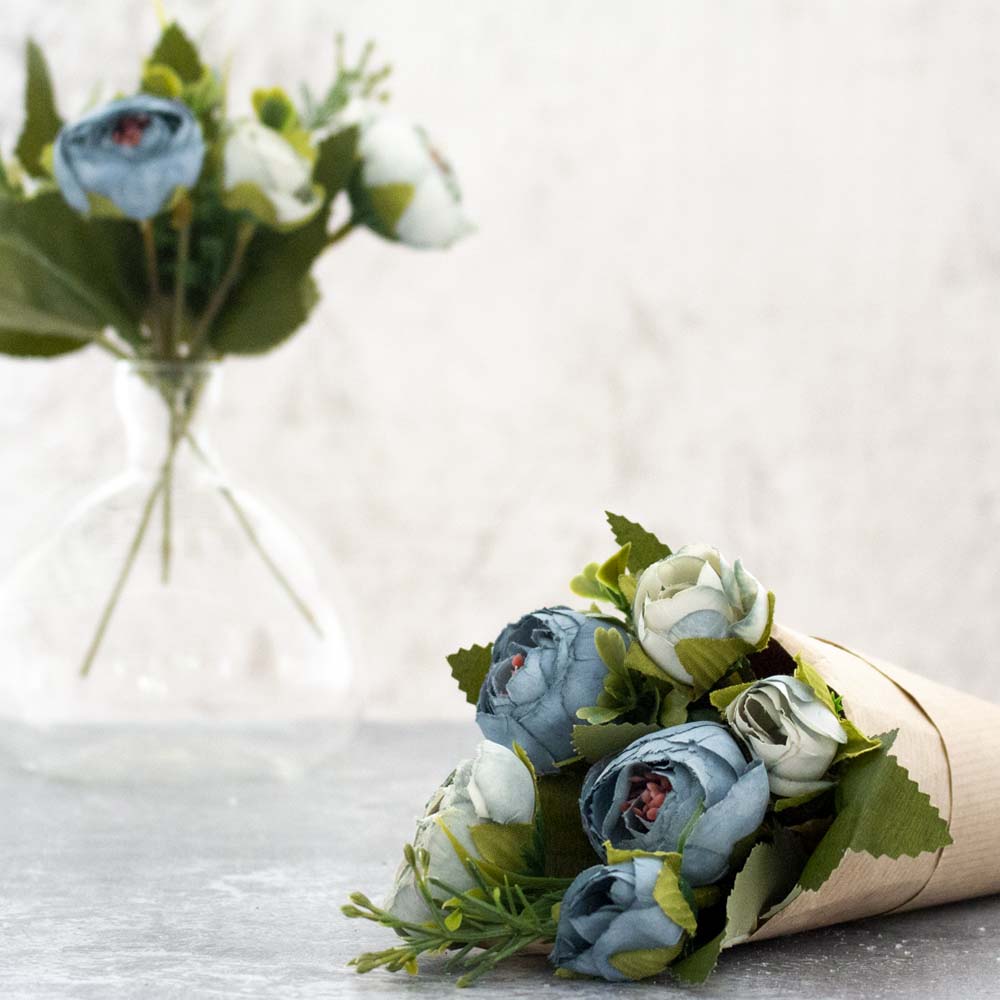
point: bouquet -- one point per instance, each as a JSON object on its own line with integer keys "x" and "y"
{"x": 166, "y": 230}
{"x": 669, "y": 772}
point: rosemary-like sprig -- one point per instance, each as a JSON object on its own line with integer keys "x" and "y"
{"x": 483, "y": 926}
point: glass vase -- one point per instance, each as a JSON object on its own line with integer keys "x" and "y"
{"x": 174, "y": 624}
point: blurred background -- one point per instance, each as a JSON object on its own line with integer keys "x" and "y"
{"x": 737, "y": 276}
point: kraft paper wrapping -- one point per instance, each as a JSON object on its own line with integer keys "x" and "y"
{"x": 950, "y": 744}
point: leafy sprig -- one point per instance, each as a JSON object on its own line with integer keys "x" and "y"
{"x": 483, "y": 926}
{"x": 351, "y": 81}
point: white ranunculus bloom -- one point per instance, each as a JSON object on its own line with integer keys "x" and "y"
{"x": 695, "y": 593}
{"x": 405, "y": 189}
{"x": 785, "y": 725}
{"x": 492, "y": 787}
{"x": 265, "y": 175}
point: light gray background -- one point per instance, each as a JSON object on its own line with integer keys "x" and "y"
{"x": 737, "y": 275}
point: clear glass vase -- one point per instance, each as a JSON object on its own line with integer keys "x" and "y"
{"x": 174, "y": 624}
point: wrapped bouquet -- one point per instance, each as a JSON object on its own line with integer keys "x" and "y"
{"x": 669, "y": 772}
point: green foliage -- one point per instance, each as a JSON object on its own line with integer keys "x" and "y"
{"x": 645, "y": 547}
{"x": 880, "y": 811}
{"x": 724, "y": 697}
{"x": 507, "y": 845}
{"x": 274, "y": 108}
{"x": 596, "y": 742}
{"x": 176, "y": 51}
{"x": 469, "y": 667}
{"x": 670, "y": 896}
{"x": 352, "y": 80}
{"x": 645, "y": 962}
{"x": 161, "y": 81}
{"x": 857, "y": 743}
{"x": 567, "y": 849}
{"x": 335, "y": 161}
{"x": 810, "y": 676}
{"x": 63, "y": 279}
{"x": 41, "y": 121}
{"x": 611, "y": 571}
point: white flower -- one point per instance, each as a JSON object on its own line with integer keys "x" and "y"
{"x": 494, "y": 786}
{"x": 265, "y": 175}
{"x": 405, "y": 189}
{"x": 692, "y": 594}
{"x": 785, "y": 725}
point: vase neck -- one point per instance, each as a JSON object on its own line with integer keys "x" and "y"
{"x": 161, "y": 402}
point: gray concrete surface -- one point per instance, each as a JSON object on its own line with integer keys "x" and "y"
{"x": 224, "y": 889}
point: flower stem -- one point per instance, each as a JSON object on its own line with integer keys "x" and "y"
{"x": 180, "y": 275}
{"x": 153, "y": 275}
{"x": 338, "y": 234}
{"x": 251, "y": 533}
{"x": 168, "y": 489}
{"x": 244, "y": 235}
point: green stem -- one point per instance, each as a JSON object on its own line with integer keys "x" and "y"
{"x": 338, "y": 234}
{"x": 251, "y": 533}
{"x": 180, "y": 276}
{"x": 153, "y": 276}
{"x": 244, "y": 235}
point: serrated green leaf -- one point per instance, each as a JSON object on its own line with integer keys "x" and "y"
{"x": 41, "y": 119}
{"x": 646, "y": 547}
{"x": 636, "y": 659}
{"x": 469, "y": 667}
{"x": 644, "y": 962}
{"x": 611, "y": 648}
{"x": 669, "y": 897}
{"x": 695, "y": 968}
{"x": 881, "y": 812}
{"x": 857, "y": 743}
{"x": 586, "y": 584}
{"x": 765, "y": 878}
{"x": 615, "y": 567}
{"x": 724, "y": 697}
{"x": 506, "y": 845}
{"x": 176, "y": 50}
{"x": 709, "y": 660}
{"x": 596, "y": 742}
{"x": 810, "y": 676}
{"x": 794, "y": 801}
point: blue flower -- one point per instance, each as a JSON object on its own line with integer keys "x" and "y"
{"x": 544, "y": 668}
{"x": 609, "y": 911}
{"x": 688, "y": 783}
{"x": 135, "y": 152}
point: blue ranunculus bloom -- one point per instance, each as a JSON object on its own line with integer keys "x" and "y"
{"x": 135, "y": 152}
{"x": 609, "y": 909}
{"x": 544, "y": 668}
{"x": 647, "y": 797}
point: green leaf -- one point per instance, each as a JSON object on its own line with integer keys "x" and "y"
{"x": 644, "y": 962}
{"x": 611, "y": 648}
{"x": 63, "y": 279}
{"x": 176, "y": 50}
{"x": 453, "y": 921}
{"x": 627, "y": 587}
{"x": 794, "y": 801}
{"x": 709, "y": 660}
{"x": 699, "y": 965}
{"x": 613, "y": 568}
{"x": 336, "y": 159}
{"x": 42, "y": 121}
{"x": 646, "y": 548}
{"x": 161, "y": 81}
{"x": 764, "y": 879}
{"x": 506, "y": 845}
{"x": 810, "y": 676}
{"x": 857, "y": 743}
{"x": 724, "y": 697}
{"x": 674, "y": 708}
{"x": 637, "y": 659}
{"x": 389, "y": 202}
{"x": 880, "y": 811}
{"x": 567, "y": 849}
{"x": 469, "y": 667}
{"x": 599, "y": 715}
{"x": 669, "y": 896}
{"x": 586, "y": 584}
{"x": 596, "y": 742}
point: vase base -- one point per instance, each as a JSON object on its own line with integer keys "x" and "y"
{"x": 121, "y": 753}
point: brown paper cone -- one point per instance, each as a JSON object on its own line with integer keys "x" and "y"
{"x": 950, "y": 744}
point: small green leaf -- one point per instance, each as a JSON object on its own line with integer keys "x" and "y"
{"x": 880, "y": 811}
{"x": 598, "y": 715}
{"x": 699, "y": 965}
{"x": 636, "y": 659}
{"x": 469, "y": 667}
{"x": 709, "y": 660}
{"x": 627, "y": 587}
{"x": 506, "y": 845}
{"x": 176, "y": 50}
{"x": 765, "y": 878}
{"x": 669, "y": 897}
{"x": 644, "y": 962}
{"x": 724, "y": 697}
{"x": 41, "y": 119}
{"x": 274, "y": 108}
{"x": 674, "y": 708}
{"x": 646, "y": 547}
{"x": 611, "y": 648}
{"x": 857, "y": 743}
{"x": 389, "y": 202}
{"x": 614, "y": 567}
{"x": 793, "y": 802}
{"x": 596, "y": 742}
{"x": 586, "y": 584}
{"x": 810, "y": 676}
{"x": 453, "y": 921}
{"x": 161, "y": 81}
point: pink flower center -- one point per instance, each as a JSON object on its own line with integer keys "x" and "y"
{"x": 646, "y": 795}
{"x": 129, "y": 129}
{"x": 516, "y": 662}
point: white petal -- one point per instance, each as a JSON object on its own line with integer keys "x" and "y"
{"x": 434, "y": 216}
{"x": 393, "y": 151}
{"x": 661, "y": 616}
{"x": 785, "y": 788}
{"x": 500, "y": 786}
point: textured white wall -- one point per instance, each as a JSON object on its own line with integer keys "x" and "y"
{"x": 737, "y": 276}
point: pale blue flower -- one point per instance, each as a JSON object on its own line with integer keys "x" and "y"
{"x": 545, "y": 667}
{"x": 607, "y": 910}
{"x": 135, "y": 152}
{"x": 711, "y": 798}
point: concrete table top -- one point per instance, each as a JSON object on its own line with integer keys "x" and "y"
{"x": 223, "y": 888}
